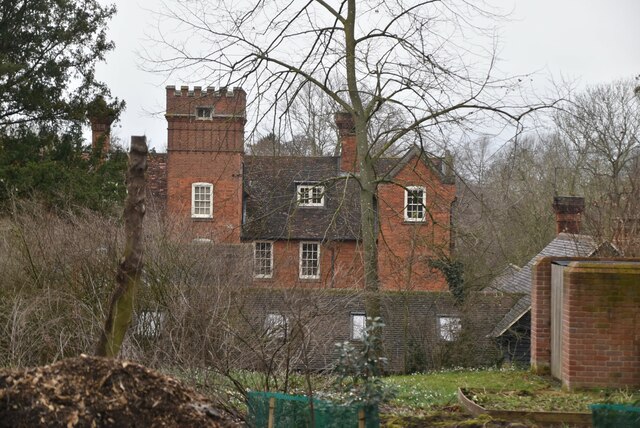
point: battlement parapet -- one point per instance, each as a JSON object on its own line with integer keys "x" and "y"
{"x": 201, "y": 103}
{"x": 210, "y": 91}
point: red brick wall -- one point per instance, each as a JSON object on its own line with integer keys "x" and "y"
{"x": 601, "y": 321}
{"x": 541, "y": 316}
{"x": 406, "y": 247}
{"x": 340, "y": 266}
{"x": 348, "y": 154}
{"x": 601, "y": 325}
{"x": 348, "y": 146}
{"x": 222, "y": 170}
{"x": 541, "y": 310}
{"x": 157, "y": 182}
{"x": 208, "y": 151}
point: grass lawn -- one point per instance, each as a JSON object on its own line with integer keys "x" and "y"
{"x": 430, "y": 399}
{"x": 420, "y": 391}
{"x": 506, "y": 389}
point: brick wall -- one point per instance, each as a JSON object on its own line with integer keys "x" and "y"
{"x": 405, "y": 248}
{"x": 411, "y": 334}
{"x": 207, "y": 150}
{"x": 600, "y": 321}
{"x": 541, "y": 310}
{"x": 340, "y": 266}
{"x": 223, "y": 172}
{"x": 541, "y": 316}
{"x": 157, "y": 182}
{"x": 601, "y": 325}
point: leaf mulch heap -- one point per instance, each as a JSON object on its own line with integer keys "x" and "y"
{"x": 96, "y": 392}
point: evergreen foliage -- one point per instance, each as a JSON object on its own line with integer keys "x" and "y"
{"x": 453, "y": 271}
{"x": 48, "y": 53}
{"x": 359, "y": 368}
{"x": 53, "y": 167}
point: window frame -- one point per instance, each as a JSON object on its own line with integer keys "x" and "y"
{"x": 204, "y": 108}
{"x": 300, "y": 260}
{"x": 445, "y": 331}
{"x": 255, "y": 260}
{"x": 361, "y": 333}
{"x": 276, "y": 325}
{"x": 194, "y": 186}
{"x": 310, "y": 187}
{"x": 423, "y": 204}
{"x": 201, "y": 241}
{"x": 149, "y": 323}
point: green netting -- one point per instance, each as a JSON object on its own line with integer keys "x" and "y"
{"x": 615, "y": 416}
{"x": 294, "y": 411}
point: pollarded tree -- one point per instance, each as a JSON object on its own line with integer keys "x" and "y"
{"x": 407, "y": 55}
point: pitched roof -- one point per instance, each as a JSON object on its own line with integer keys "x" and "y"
{"x": 396, "y": 165}
{"x": 519, "y": 282}
{"x": 270, "y": 186}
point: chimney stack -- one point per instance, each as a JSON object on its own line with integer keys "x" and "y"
{"x": 101, "y": 134}
{"x": 568, "y": 211}
{"x": 101, "y": 115}
{"x": 348, "y": 151}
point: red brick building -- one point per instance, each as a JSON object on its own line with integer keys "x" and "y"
{"x": 302, "y": 214}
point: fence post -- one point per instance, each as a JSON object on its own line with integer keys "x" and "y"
{"x": 361, "y": 418}
{"x": 272, "y": 408}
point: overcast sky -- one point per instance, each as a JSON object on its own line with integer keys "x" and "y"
{"x": 590, "y": 41}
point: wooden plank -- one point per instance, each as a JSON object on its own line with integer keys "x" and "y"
{"x": 557, "y": 272}
{"x": 361, "y": 419}
{"x": 272, "y": 409}
{"x": 573, "y": 419}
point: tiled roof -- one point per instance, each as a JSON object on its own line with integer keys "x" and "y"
{"x": 270, "y": 194}
{"x": 271, "y": 208}
{"x": 519, "y": 282}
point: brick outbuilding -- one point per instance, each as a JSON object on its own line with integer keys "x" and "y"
{"x": 586, "y": 321}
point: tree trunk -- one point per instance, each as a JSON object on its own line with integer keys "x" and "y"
{"x": 130, "y": 268}
{"x": 368, "y": 183}
{"x": 369, "y": 225}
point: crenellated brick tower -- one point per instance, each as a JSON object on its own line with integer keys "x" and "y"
{"x": 205, "y": 148}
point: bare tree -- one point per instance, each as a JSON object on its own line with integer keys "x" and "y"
{"x": 310, "y": 116}
{"x": 307, "y": 128}
{"x": 600, "y": 128}
{"x": 591, "y": 149}
{"x": 409, "y": 57}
